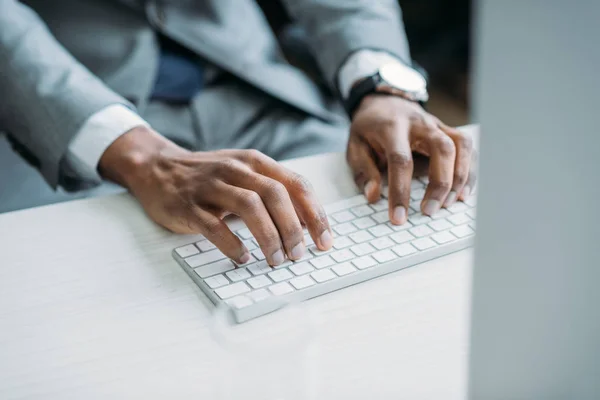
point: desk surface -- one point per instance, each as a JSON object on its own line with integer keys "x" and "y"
{"x": 93, "y": 306}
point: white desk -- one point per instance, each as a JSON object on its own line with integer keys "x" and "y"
{"x": 93, "y": 306}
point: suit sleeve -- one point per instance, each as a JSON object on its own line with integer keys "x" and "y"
{"x": 338, "y": 28}
{"x": 45, "y": 94}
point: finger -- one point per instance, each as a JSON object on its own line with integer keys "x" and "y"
{"x": 249, "y": 206}
{"x": 400, "y": 170}
{"x": 277, "y": 201}
{"x": 441, "y": 170}
{"x": 464, "y": 148}
{"x": 309, "y": 209}
{"x": 218, "y": 233}
{"x": 470, "y": 186}
{"x": 366, "y": 174}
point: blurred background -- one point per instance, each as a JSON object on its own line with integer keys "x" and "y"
{"x": 438, "y": 32}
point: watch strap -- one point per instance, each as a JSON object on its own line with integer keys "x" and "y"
{"x": 359, "y": 91}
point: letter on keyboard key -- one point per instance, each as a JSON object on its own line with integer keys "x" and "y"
{"x": 384, "y": 256}
{"x": 361, "y": 236}
{"x": 301, "y": 268}
{"x": 186, "y": 251}
{"x": 259, "y": 281}
{"x": 344, "y": 229}
{"x": 322, "y": 262}
{"x": 402, "y": 237}
{"x": 342, "y": 255}
{"x": 215, "y": 268}
{"x": 343, "y": 269}
{"x": 404, "y": 250}
{"x": 280, "y": 275}
{"x": 232, "y": 290}
{"x": 343, "y": 216}
{"x": 364, "y": 262}
{"x": 216, "y": 281}
{"x": 362, "y": 249}
{"x": 421, "y": 230}
{"x": 423, "y": 243}
{"x": 238, "y": 274}
{"x": 459, "y": 219}
{"x": 302, "y": 282}
{"x": 381, "y": 243}
{"x": 440, "y": 225}
{"x": 244, "y": 233}
{"x": 342, "y": 242}
{"x": 364, "y": 222}
{"x": 362, "y": 211}
{"x": 204, "y": 258}
{"x": 239, "y": 302}
{"x": 260, "y": 267}
{"x": 443, "y": 237}
{"x": 322, "y": 275}
{"x": 259, "y": 295}
{"x": 281, "y": 288}
{"x": 462, "y": 231}
{"x": 380, "y": 230}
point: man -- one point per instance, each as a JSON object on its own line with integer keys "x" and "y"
{"x": 145, "y": 93}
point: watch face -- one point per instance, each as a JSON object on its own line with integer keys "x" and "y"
{"x": 402, "y": 77}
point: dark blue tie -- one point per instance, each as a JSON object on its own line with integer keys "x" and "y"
{"x": 180, "y": 75}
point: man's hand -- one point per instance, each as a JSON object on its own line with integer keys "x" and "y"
{"x": 385, "y": 131}
{"x": 190, "y": 192}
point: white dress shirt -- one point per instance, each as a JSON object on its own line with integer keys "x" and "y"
{"x": 105, "y": 126}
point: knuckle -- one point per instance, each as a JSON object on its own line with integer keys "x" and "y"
{"x": 441, "y": 186}
{"x": 400, "y": 158}
{"x": 275, "y": 191}
{"x": 444, "y": 145}
{"x": 465, "y": 142}
{"x": 460, "y": 178}
{"x": 301, "y": 185}
{"x": 292, "y": 233}
{"x": 250, "y": 201}
{"x": 227, "y": 164}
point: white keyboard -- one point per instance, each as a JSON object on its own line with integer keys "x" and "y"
{"x": 366, "y": 245}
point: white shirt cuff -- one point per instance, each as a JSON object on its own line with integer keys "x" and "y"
{"x": 95, "y": 136}
{"x": 360, "y": 65}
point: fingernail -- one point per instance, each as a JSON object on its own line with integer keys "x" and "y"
{"x": 244, "y": 258}
{"x": 430, "y": 207}
{"x": 399, "y": 215}
{"x": 326, "y": 239}
{"x": 466, "y": 191}
{"x": 277, "y": 258}
{"x": 297, "y": 251}
{"x": 369, "y": 187}
{"x": 450, "y": 199}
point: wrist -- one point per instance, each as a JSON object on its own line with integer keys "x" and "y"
{"x": 129, "y": 157}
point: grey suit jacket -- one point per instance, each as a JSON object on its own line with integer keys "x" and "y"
{"x": 63, "y": 60}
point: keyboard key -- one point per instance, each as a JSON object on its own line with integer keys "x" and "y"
{"x": 259, "y": 295}
{"x": 258, "y": 254}
{"x": 238, "y": 274}
{"x": 239, "y": 302}
{"x": 362, "y": 249}
{"x": 424, "y": 180}
{"x": 204, "y": 258}
{"x": 440, "y": 225}
{"x": 342, "y": 255}
{"x": 459, "y": 219}
{"x": 343, "y": 216}
{"x": 359, "y": 237}
{"x": 362, "y": 211}
{"x": 342, "y": 242}
{"x": 308, "y": 240}
{"x": 415, "y": 184}
{"x": 472, "y": 225}
{"x": 280, "y": 275}
{"x": 421, "y": 230}
{"x": 419, "y": 219}
{"x": 186, "y": 251}
{"x": 443, "y": 237}
{"x": 301, "y": 268}
{"x": 281, "y": 288}
{"x": 381, "y": 217}
{"x": 344, "y": 229}
{"x": 343, "y": 269}
{"x": 398, "y": 228}
{"x": 322, "y": 262}
{"x": 471, "y": 201}
{"x": 205, "y": 245}
{"x": 385, "y": 191}
{"x": 404, "y": 250}
{"x": 415, "y": 205}
{"x": 317, "y": 252}
{"x": 381, "y": 243}
{"x": 380, "y": 205}
{"x": 442, "y": 213}
{"x": 471, "y": 213}
{"x": 260, "y": 268}
{"x": 462, "y": 231}
{"x": 322, "y": 275}
{"x": 259, "y": 281}
{"x": 364, "y": 262}
{"x": 216, "y": 281}
{"x": 244, "y": 233}
{"x": 302, "y": 282}
{"x": 384, "y": 256}
{"x": 345, "y": 203}
{"x": 417, "y": 194}
{"x": 364, "y": 222}
{"x": 402, "y": 237}
{"x": 423, "y": 243}
{"x": 457, "y": 207}
{"x": 380, "y": 230}
{"x": 215, "y": 268}
{"x": 232, "y": 290}
{"x": 250, "y": 245}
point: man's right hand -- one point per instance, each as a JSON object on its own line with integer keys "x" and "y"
{"x": 191, "y": 192}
